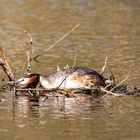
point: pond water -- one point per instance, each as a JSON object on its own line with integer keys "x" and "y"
{"x": 107, "y": 28}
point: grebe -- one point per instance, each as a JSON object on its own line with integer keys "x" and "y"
{"x": 70, "y": 78}
{"x": 28, "y": 81}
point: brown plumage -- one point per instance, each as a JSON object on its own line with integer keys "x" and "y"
{"x": 29, "y": 81}
{"x": 88, "y": 80}
{"x": 75, "y": 78}
{"x": 70, "y": 78}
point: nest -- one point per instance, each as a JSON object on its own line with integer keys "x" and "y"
{"x": 114, "y": 88}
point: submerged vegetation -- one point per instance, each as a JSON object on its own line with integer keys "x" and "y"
{"x": 113, "y": 88}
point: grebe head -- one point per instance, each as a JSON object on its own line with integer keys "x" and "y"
{"x": 29, "y": 81}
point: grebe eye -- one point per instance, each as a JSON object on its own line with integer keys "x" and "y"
{"x": 20, "y": 80}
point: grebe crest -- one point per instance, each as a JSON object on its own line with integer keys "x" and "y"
{"x": 28, "y": 81}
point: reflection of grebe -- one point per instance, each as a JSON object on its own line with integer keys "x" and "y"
{"x": 70, "y": 78}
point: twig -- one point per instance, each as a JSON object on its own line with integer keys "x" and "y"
{"x": 62, "y": 91}
{"x": 5, "y": 66}
{"x": 29, "y": 67}
{"x": 6, "y": 70}
{"x": 112, "y": 77}
{"x": 31, "y": 39}
{"x": 109, "y": 92}
{"x": 57, "y": 68}
{"x": 64, "y": 80}
{"x": 36, "y": 89}
{"x": 124, "y": 78}
{"x": 108, "y": 85}
{"x": 58, "y": 41}
{"x": 104, "y": 66}
{"x": 15, "y": 91}
{"x": 28, "y": 35}
{"x": 29, "y": 54}
{"x": 49, "y": 90}
{"x": 75, "y": 57}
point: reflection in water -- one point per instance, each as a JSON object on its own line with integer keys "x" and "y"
{"x": 107, "y": 28}
{"x": 89, "y": 117}
{"x": 27, "y": 107}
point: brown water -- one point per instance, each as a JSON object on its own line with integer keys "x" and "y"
{"x": 107, "y": 28}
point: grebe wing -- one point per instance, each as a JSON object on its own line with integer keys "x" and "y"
{"x": 83, "y": 77}
{"x": 87, "y": 80}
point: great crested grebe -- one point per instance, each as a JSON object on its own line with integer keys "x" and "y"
{"x": 28, "y": 81}
{"x": 70, "y": 78}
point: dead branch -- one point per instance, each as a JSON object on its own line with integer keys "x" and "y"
{"x": 66, "y": 67}
{"x": 43, "y": 52}
{"x": 52, "y": 89}
{"x": 29, "y": 53}
{"x": 112, "y": 77}
{"x": 57, "y": 68}
{"x": 6, "y": 70}
{"x": 75, "y": 57}
{"x": 5, "y": 61}
{"x": 28, "y": 35}
{"x": 64, "y": 91}
{"x": 58, "y": 41}
{"x": 64, "y": 80}
{"x": 109, "y": 92}
{"x": 124, "y": 78}
{"x": 29, "y": 67}
{"x": 14, "y": 88}
{"x": 31, "y": 39}
{"x": 5, "y": 66}
{"x": 36, "y": 89}
{"x": 104, "y": 66}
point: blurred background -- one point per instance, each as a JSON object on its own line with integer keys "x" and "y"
{"x": 107, "y": 28}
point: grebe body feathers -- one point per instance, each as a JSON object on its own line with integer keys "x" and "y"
{"x": 73, "y": 78}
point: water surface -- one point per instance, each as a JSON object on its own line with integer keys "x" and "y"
{"x": 107, "y": 28}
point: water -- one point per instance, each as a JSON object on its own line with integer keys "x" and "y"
{"x": 107, "y": 28}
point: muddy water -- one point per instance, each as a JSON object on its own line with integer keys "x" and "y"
{"x": 107, "y": 28}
